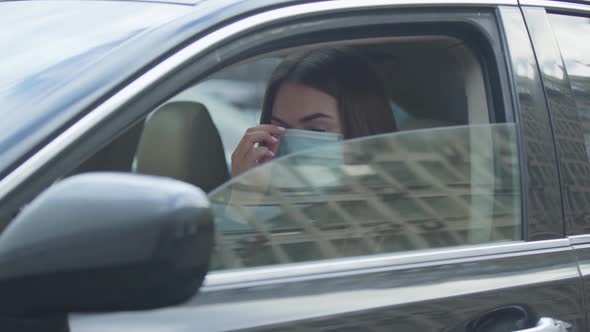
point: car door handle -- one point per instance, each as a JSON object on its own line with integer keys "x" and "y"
{"x": 546, "y": 324}
{"x": 515, "y": 318}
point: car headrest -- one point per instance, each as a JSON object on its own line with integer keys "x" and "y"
{"x": 180, "y": 141}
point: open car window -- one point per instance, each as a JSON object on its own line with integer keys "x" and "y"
{"x": 395, "y": 192}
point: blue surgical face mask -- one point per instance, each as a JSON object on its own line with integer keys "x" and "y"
{"x": 295, "y": 140}
{"x": 316, "y": 160}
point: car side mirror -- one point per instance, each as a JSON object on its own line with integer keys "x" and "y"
{"x": 105, "y": 242}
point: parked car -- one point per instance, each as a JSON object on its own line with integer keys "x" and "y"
{"x": 118, "y": 211}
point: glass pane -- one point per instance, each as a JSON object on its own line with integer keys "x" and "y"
{"x": 395, "y": 192}
{"x": 576, "y": 56}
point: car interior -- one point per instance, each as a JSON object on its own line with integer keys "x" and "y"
{"x": 434, "y": 81}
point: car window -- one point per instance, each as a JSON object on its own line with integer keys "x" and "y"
{"x": 576, "y": 56}
{"x": 430, "y": 169}
{"x": 395, "y": 192}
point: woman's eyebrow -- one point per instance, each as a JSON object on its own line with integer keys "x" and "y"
{"x": 314, "y": 116}
{"x": 281, "y": 122}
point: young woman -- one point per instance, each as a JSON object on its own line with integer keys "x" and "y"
{"x": 323, "y": 94}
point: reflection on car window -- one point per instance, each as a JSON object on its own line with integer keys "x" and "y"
{"x": 576, "y": 57}
{"x": 387, "y": 193}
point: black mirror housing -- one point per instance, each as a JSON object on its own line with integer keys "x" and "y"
{"x": 106, "y": 242}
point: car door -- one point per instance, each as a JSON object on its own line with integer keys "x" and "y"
{"x": 486, "y": 250}
{"x": 565, "y": 63}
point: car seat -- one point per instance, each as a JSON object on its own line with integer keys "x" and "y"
{"x": 181, "y": 141}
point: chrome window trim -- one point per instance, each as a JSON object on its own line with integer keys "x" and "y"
{"x": 579, "y": 239}
{"x": 104, "y": 110}
{"x": 568, "y": 6}
{"x": 323, "y": 267}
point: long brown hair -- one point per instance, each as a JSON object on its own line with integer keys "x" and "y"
{"x": 347, "y": 76}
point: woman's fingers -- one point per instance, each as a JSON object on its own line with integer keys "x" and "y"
{"x": 251, "y": 139}
{"x": 255, "y": 156}
{"x": 274, "y": 131}
{"x": 260, "y": 137}
{"x": 259, "y": 144}
{"x": 263, "y": 134}
{"x": 271, "y": 129}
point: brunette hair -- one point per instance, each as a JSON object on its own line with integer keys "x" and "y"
{"x": 344, "y": 74}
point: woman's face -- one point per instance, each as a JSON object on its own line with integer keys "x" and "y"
{"x": 298, "y": 106}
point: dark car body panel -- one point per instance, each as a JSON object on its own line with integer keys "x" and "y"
{"x": 438, "y": 296}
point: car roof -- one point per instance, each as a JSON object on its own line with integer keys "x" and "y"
{"x": 222, "y": 3}
{"x": 178, "y": 2}
{"x": 196, "y": 2}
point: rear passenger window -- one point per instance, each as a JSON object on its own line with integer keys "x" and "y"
{"x": 572, "y": 33}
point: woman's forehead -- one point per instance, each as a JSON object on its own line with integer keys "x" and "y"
{"x": 296, "y": 101}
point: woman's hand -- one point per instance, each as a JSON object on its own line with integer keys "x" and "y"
{"x": 259, "y": 145}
